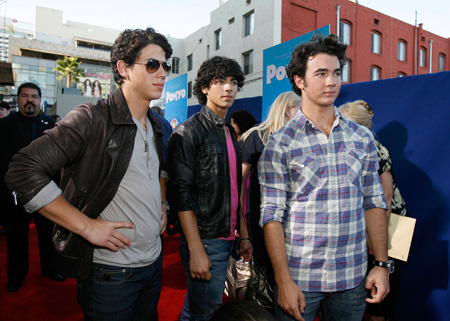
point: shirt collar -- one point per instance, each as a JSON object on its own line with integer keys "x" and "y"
{"x": 302, "y": 120}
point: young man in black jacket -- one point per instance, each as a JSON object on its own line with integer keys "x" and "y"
{"x": 205, "y": 172}
{"x": 109, "y": 209}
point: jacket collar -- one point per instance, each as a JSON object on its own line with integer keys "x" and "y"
{"x": 121, "y": 115}
{"x": 211, "y": 116}
{"x": 118, "y": 107}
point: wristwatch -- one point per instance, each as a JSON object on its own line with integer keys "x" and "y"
{"x": 165, "y": 204}
{"x": 389, "y": 265}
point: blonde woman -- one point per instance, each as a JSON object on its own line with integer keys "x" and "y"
{"x": 285, "y": 106}
{"x": 361, "y": 113}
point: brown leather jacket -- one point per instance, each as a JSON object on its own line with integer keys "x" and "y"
{"x": 92, "y": 145}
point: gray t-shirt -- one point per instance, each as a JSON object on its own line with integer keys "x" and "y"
{"x": 138, "y": 200}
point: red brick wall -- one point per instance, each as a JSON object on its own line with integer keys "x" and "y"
{"x": 302, "y": 16}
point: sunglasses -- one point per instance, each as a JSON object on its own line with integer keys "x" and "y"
{"x": 152, "y": 66}
{"x": 369, "y": 109}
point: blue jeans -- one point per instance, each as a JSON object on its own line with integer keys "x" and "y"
{"x": 346, "y": 305}
{"x": 204, "y": 297}
{"x": 113, "y": 293}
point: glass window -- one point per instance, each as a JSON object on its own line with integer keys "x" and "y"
{"x": 401, "y": 50}
{"x": 375, "y": 73}
{"x": 423, "y": 57}
{"x": 248, "y": 62}
{"x": 344, "y": 33}
{"x": 189, "y": 62}
{"x": 218, "y": 38}
{"x": 345, "y": 75}
{"x": 189, "y": 89}
{"x": 441, "y": 62}
{"x": 375, "y": 44}
{"x": 249, "y": 21}
{"x": 401, "y": 74}
{"x": 175, "y": 65}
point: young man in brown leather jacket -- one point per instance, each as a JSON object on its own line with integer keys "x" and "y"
{"x": 108, "y": 210}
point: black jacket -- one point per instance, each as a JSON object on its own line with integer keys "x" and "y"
{"x": 92, "y": 145}
{"x": 16, "y": 133}
{"x": 199, "y": 172}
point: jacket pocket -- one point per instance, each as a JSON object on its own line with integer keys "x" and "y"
{"x": 212, "y": 160}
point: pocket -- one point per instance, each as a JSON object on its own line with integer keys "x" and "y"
{"x": 111, "y": 275}
{"x": 354, "y": 160}
{"x": 211, "y": 160}
{"x": 304, "y": 173}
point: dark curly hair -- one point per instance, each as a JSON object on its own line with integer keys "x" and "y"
{"x": 216, "y": 67}
{"x": 330, "y": 46}
{"x": 128, "y": 46}
{"x": 244, "y": 119}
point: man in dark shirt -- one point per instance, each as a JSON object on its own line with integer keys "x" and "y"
{"x": 17, "y": 131}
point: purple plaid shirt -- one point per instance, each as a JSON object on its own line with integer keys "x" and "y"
{"x": 319, "y": 187}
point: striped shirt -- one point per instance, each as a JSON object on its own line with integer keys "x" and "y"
{"x": 319, "y": 188}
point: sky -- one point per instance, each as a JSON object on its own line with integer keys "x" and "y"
{"x": 180, "y": 18}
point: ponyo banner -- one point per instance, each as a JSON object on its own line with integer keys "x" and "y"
{"x": 275, "y": 60}
{"x": 176, "y": 100}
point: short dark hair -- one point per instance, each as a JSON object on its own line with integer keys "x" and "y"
{"x": 244, "y": 119}
{"x": 330, "y": 46}
{"x": 216, "y": 67}
{"x": 31, "y": 86}
{"x": 128, "y": 46}
{"x": 4, "y": 104}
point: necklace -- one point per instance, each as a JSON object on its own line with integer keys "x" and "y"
{"x": 144, "y": 139}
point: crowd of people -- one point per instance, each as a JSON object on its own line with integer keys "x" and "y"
{"x": 296, "y": 194}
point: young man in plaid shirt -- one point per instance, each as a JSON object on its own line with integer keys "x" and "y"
{"x": 321, "y": 193}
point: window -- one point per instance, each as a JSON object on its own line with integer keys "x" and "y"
{"x": 441, "y": 62}
{"x": 376, "y": 22}
{"x": 248, "y": 62}
{"x": 401, "y": 50}
{"x": 423, "y": 57}
{"x": 375, "y": 73}
{"x": 175, "y": 65}
{"x": 375, "y": 42}
{"x": 345, "y": 75}
{"x": 218, "y": 38}
{"x": 231, "y": 21}
{"x": 344, "y": 32}
{"x": 207, "y": 52}
{"x": 190, "y": 89}
{"x": 249, "y": 21}
{"x": 189, "y": 62}
{"x": 401, "y": 74}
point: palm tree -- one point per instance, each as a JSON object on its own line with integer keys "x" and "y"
{"x": 70, "y": 67}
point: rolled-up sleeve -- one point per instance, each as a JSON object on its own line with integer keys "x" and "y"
{"x": 372, "y": 189}
{"x": 273, "y": 178}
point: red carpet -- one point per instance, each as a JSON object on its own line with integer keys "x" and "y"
{"x": 43, "y": 299}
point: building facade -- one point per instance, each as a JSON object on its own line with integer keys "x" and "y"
{"x": 380, "y": 46}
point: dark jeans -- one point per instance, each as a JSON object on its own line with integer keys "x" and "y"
{"x": 113, "y": 293}
{"x": 17, "y": 225}
{"x": 346, "y": 305}
{"x": 204, "y": 297}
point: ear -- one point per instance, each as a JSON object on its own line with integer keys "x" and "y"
{"x": 299, "y": 82}
{"x": 122, "y": 67}
{"x": 205, "y": 90}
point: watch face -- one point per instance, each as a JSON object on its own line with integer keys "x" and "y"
{"x": 391, "y": 266}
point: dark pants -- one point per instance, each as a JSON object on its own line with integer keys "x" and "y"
{"x": 113, "y": 293}
{"x": 17, "y": 222}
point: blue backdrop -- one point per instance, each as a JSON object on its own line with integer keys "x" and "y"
{"x": 412, "y": 116}
{"x": 412, "y": 120}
